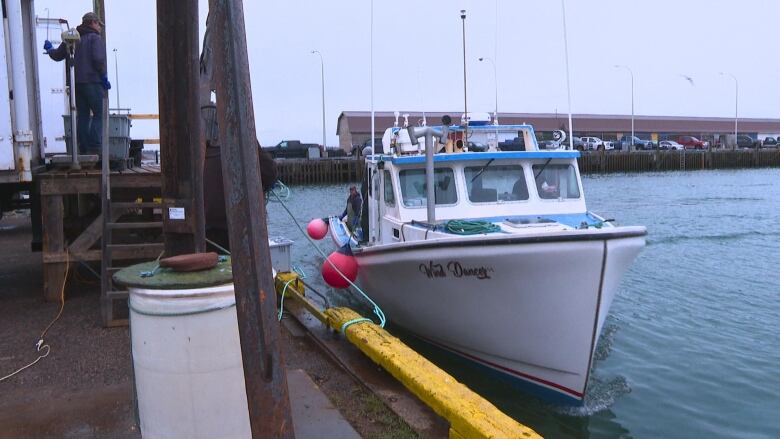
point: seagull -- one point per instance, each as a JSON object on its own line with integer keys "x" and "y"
{"x": 688, "y": 78}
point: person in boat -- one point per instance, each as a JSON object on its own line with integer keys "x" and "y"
{"x": 91, "y": 81}
{"x": 354, "y": 209}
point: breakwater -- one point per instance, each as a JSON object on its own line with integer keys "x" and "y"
{"x": 345, "y": 170}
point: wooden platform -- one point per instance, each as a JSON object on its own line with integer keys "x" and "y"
{"x": 72, "y": 223}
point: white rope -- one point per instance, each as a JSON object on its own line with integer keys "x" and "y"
{"x": 39, "y": 346}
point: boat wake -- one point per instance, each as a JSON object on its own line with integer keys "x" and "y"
{"x": 716, "y": 238}
{"x": 607, "y": 339}
{"x": 601, "y": 396}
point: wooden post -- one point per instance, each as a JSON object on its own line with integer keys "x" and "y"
{"x": 53, "y": 242}
{"x": 180, "y": 126}
{"x": 256, "y": 304}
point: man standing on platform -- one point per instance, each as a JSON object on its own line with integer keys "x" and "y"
{"x": 91, "y": 81}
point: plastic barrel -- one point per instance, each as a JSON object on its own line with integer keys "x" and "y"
{"x": 187, "y": 361}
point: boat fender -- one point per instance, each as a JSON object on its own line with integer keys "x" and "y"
{"x": 340, "y": 268}
{"x": 317, "y": 228}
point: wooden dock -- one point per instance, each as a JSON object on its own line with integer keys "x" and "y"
{"x": 601, "y": 162}
{"x": 350, "y": 170}
{"x": 71, "y": 221}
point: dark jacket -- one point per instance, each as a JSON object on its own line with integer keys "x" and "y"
{"x": 356, "y": 201}
{"x": 90, "y": 57}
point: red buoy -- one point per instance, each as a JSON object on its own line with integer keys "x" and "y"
{"x": 317, "y": 228}
{"x": 343, "y": 260}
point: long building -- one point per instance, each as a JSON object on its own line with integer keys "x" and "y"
{"x": 354, "y": 127}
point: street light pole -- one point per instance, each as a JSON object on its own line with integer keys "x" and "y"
{"x": 736, "y": 102}
{"x": 631, "y": 145}
{"x": 495, "y": 81}
{"x": 465, "y": 100}
{"x": 322, "y": 75}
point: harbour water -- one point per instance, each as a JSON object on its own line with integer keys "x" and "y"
{"x": 691, "y": 347}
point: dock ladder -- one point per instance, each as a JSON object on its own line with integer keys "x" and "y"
{"x": 132, "y": 232}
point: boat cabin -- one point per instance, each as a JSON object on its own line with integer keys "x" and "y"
{"x": 496, "y": 185}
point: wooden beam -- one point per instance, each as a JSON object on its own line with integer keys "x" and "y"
{"x": 265, "y": 375}
{"x": 53, "y": 242}
{"x": 88, "y": 237}
{"x": 180, "y": 126}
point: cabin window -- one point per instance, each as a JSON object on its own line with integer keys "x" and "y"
{"x": 389, "y": 194}
{"x": 556, "y": 181}
{"x": 413, "y": 189}
{"x": 492, "y": 183}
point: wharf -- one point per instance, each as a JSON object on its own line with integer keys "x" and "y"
{"x": 71, "y": 222}
{"x": 350, "y": 170}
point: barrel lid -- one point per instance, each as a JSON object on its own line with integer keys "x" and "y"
{"x": 166, "y": 279}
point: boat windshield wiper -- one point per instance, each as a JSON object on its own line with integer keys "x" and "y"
{"x": 481, "y": 170}
{"x": 542, "y": 170}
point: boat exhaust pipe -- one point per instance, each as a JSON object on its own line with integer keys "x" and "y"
{"x": 430, "y": 148}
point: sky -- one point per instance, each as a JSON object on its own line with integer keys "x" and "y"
{"x": 418, "y": 58}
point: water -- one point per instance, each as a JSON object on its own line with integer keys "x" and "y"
{"x": 691, "y": 347}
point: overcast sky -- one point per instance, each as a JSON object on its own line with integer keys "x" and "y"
{"x": 418, "y": 57}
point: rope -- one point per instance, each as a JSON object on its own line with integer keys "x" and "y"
{"x": 285, "y": 190}
{"x": 41, "y": 344}
{"x": 281, "y": 302}
{"x": 377, "y": 310}
{"x": 471, "y": 227}
{"x": 219, "y": 247}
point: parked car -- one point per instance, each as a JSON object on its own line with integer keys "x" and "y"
{"x": 690, "y": 142}
{"x": 669, "y": 144}
{"x": 591, "y": 143}
{"x": 745, "y": 141}
{"x": 548, "y": 144}
{"x": 769, "y": 142}
{"x": 625, "y": 142}
{"x": 357, "y": 150}
{"x": 290, "y": 149}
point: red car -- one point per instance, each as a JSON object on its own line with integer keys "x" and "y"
{"x": 690, "y": 142}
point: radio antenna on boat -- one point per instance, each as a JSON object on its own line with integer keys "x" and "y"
{"x": 420, "y": 96}
{"x": 568, "y": 85}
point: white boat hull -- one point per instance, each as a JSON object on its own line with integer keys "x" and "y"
{"x": 530, "y": 308}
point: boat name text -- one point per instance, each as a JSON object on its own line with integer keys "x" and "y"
{"x": 455, "y": 269}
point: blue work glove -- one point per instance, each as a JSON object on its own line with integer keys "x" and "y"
{"x": 47, "y": 46}
{"x": 106, "y": 84}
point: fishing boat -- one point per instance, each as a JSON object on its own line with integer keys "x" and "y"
{"x": 482, "y": 245}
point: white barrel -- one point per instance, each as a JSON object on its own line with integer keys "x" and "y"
{"x": 189, "y": 375}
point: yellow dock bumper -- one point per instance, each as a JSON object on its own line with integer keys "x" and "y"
{"x": 470, "y": 415}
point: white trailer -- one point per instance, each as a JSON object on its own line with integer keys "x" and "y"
{"x": 26, "y": 133}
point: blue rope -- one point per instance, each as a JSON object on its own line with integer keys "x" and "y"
{"x": 377, "y": 310}
{"x": 352, "y": 322}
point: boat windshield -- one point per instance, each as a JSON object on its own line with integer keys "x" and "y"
{"x": 556, "y": 181}
{"x": 413, "y": 189}
{"x": 491, "y": 184}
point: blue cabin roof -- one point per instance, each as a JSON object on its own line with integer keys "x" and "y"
{"x": 469, "y": 156}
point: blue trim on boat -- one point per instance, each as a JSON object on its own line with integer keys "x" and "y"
{"x": 466, "y": 156}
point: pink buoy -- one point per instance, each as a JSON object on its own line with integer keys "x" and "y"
{"x": 317, "y": 228}
{"x": 346, "y": 264}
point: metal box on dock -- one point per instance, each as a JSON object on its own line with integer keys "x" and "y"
{"x": 118, "y": 136}
{"x": 280, "y": 253}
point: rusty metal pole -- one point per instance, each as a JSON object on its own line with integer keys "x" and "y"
{"x": 181, "y": 159}
{"x": 264, "y": 370}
